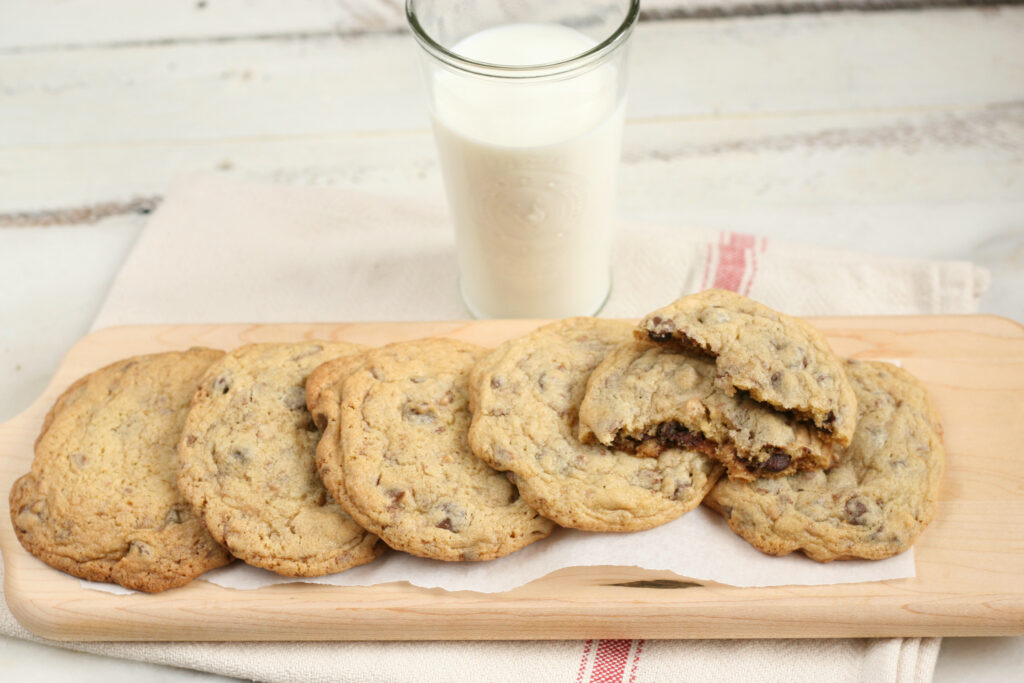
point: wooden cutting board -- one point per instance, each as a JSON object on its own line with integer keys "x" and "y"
{"x": 970, "y": 561}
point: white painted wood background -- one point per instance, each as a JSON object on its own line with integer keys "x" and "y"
{"x": 896, "y": 131}
{"x": 867, "y": 108}
{"x": 827, "y": 124}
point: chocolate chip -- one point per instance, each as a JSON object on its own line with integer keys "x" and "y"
{"x": 455, "y": 518}
{"x": 174, "y": 516}
{"x": 221, "y": 385}
{"x": 855, "y": 509}
{"x": 36, "y": 508}
{"x": 418, "y": 412}
{"x": 681, "y": 486}
{"x": 626, "y": 444}
{"x": 777, "y": 462}
{"x": 661, "y": 329}
{"x": 659, "y": 337}
{"x": 240, "y": 455}
{"x": 396, "y": 498}
{"x": 665, "y": 435}
{"x": 675, "y": 435}
{"x": 139, "y": 547}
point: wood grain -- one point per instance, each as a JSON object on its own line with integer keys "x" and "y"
{"x": 969, "y": 564}
{"x": 884, "y": 168}
{"x": 932, "y": 113}
{"x": 244, "y": 90}
{"x": 73, "y": 24}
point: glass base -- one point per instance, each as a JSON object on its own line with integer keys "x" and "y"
{"x": 478, "y": 314}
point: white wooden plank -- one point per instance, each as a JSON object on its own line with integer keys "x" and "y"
{"x": 56, "y": 23}
{"x": 330, "y": 86}
{"x": 669, "y": 166}
{"x": 42, "y": 24}
{"x": 209, "y": 91}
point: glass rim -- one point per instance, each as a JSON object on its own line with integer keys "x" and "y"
{"x": 584, "y": 59}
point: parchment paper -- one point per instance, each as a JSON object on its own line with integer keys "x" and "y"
{"x": 699, "y": 545}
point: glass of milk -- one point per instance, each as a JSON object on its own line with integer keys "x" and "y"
{"x": 527, "y": 101}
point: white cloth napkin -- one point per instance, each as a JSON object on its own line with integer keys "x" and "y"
{"x": 221, "y": 251}
{"x": 218, "y": 250}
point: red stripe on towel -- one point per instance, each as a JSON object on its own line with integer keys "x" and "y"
{"x": 610, "y": 661}
{"x": 732, "y": 260}
{"x": 584, "y": 661}
{"x": 636, "y": 661}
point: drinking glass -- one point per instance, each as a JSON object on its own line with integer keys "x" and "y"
{"x": 527, "y": 101}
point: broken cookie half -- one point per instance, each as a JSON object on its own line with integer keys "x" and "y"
{"x": 773, "y": 358}
{"x": 645, "y": 398}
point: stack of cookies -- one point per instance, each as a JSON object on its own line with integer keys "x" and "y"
{"x": 310, "y": 458}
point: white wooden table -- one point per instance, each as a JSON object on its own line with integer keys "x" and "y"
{"x": 896, "y": 131}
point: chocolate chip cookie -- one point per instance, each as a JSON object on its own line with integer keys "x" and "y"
{"x": 525, "y": 401}
{"x": 101, "y": 500}
{"x": 644, "y": 396}
{"x": 776, "y": 359}
{"x": 325, "y": 381}
{"x": 396, "y": 452}
{"x": 874, "y": 503}
{"x": 247, "y": 456}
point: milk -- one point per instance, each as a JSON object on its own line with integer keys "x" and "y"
{"x": 529, "y": 171}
